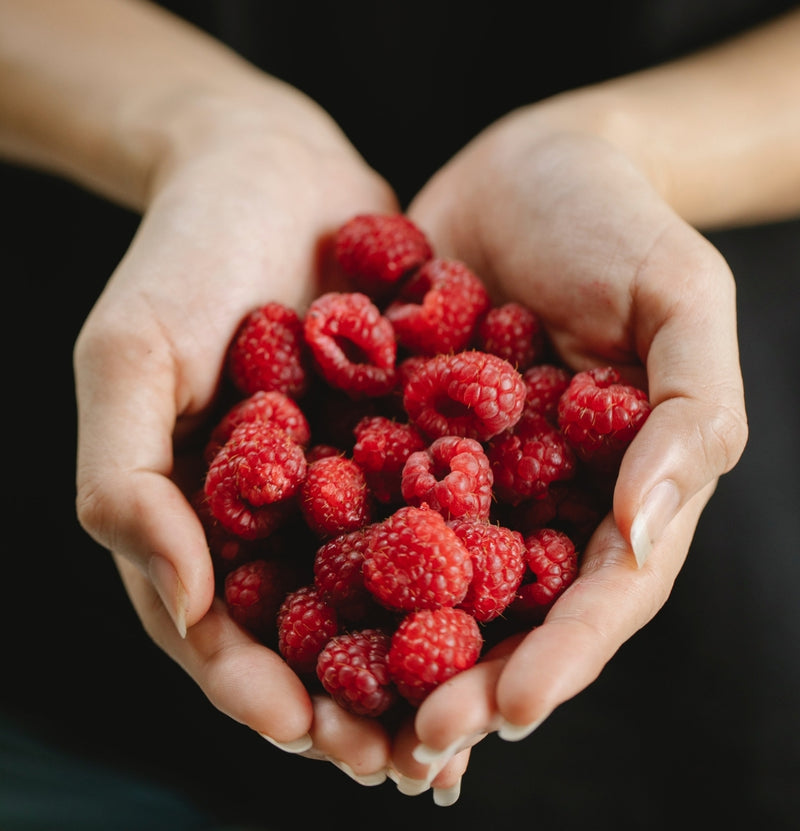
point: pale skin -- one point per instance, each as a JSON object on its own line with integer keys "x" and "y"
{"x": 584, "y": 206}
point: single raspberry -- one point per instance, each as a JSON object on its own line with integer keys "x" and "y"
{"x": 452, "y": 475}
{"x": 528, "y": 458}
{"x": 264, "y": 405}
{"x": 352, "y": 344}
{"x": 320, "y": 451}
{"x": 338, "y": 574}
{"x": 552, "y": 565}
{"x": 498, "y": 563}
{"x": 470, "y": 393}
{"x": 227, "y": 550}
{"x": 377, "y": 249}
{"x": 512, "y": 332}
{"x": 600, "y": 416}
{"x": 575, "y": 507}
{"x": 438, "y": 309}
{"x": 254, "y": 592}
{"x": 334, "y": 497}
{"x": 544, "y": 385}
{"x": 381, "y": 448}
{"x": 250, "y": 482}
{"x": 353, "y": 668}
{"x": 268, "y": 352}
{"x": 415, "y": 561}
{"x": 429, "y": 646}
{"x": 305, "y": 623}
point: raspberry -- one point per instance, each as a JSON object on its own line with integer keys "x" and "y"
{"x": 334, "y": 497}
{"x": 512, "y": 332}
{"x": 381, "y": 448}
{"x": 600, "y": 416}
{"x": 227, "y": 550}
{"x": 338, "y": 574}
{"x": 574, "y": 507}
{"x": 251, "y": 480}
{"x": 254, "y": 592}
{"x": 498, "y": 562}
{"x": 352, "y": 344}
{"x": 471, "y": 394}
{"x": 552, "y": 565}
{"x": 544, "y": 385}
{"x": 415, "y": 561}
{"x": 268, "y": 353}
{"x": 438, "y": 308}
{"x": 380, "y": 248}
{"x": 264, "y": 405}
{"x": 528, "y": 458}
{"x": 305, "y": 623}
{"x": 429, "y": 646}
{"x": 452, "y": 476}
{"x": 354, "y": 670}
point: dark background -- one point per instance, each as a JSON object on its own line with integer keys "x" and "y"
{"x": 695, "y": 716}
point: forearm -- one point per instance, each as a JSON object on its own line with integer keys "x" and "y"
{"x": 718, "y": 133}
{"x": 105, "y": 92}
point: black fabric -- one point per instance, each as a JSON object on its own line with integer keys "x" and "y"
{"x": 695, "y": 716}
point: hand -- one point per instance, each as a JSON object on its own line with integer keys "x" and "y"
{"x": 567, "y": 224}
{"x": 234, "y": 219}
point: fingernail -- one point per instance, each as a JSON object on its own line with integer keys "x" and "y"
{"x": 408, "y": 786}
{"x": 444, "y": 797}
{"x": 517, "y": 732}
{"x": 300, "y": 745}
{"x": 656, "y": 512}
{"x": 369, "y": 779}
{"x": 430, "y": 756}
{"x": 170, "y": 589}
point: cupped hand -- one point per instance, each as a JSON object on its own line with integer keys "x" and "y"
{"x": 567, "y": 224}
{"x": 235, "y": 218}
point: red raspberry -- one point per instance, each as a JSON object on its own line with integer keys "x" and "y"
{"x": 268, "y": 353}
{"x": 471, "y": 394}
{"x": 227, "y": 550}
{"x": 600, "y": 416}
{"x": 429, "y": 646}
{"x": 305, "y": 622}
{"x": 544, "y": 385}
{"x": 381, "y": 448}
{"x": 338, "y": 574}
{"x": 250, "y": 483}
{"x": 320, "y": 451}
{"x": 414, "y": 561}
{"x": 254, "y": 593}
{"x": 528, "y": 458}
{"x": 552, "y": 565}
{"x": 574, "y": 507}
{"x": 498, "y": 563}
{"x": 438, "y": 308}
{"x": 452, "y": 476}
{"x": 354, "y": 670}
{"x": 512, "y": 332}
{"x": 264, "y": 405}
{"x": 334, "y": 497}
{"x": 380, "y": 248}
{"x": 352, "y": 344}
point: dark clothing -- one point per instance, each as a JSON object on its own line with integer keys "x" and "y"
{"x": 696, "y": 716}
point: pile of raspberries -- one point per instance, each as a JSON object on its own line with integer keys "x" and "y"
{"x": 403, "y": 474}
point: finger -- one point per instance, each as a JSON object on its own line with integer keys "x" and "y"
{"x": 242, "y": 678}
{"x": 357, "y": 745}
{"x": 125, "y": 499}
{"x": 413, "y": 777}
{"x": 698, "y": 427}
{"x": 460, "y": 712}
{"x": 606, "y": 605}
